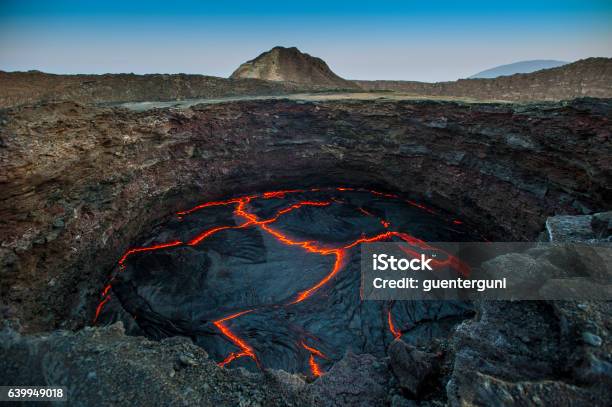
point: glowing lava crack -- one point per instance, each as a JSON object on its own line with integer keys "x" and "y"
{"x": 243, "y": 210}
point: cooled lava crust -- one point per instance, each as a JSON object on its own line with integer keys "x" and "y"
{"x": 273, "y": 279}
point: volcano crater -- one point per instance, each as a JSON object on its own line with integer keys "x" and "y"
{"x": 116, "y": 174}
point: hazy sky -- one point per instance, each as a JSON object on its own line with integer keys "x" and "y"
{"x": 424, "y": 40}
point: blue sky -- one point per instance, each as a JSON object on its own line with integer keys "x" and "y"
{"x": 411, "y": 40}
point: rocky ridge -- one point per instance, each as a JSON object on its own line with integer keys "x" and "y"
{"x": 17, "y": 88}
{"x": 587, "y": 77}
{"x": 290, "y": 72}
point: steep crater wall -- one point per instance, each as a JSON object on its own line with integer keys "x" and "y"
{"x": 80, "y": 183}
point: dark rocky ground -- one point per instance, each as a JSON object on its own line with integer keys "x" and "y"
{"x": 79, "y": 183}
{"x": 103, "y": 366}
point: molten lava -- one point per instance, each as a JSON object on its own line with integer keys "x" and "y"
{"x": 245, "y": 349}
{"x": 147, "y": 249}
{"x": 106, "y": 298}
{"x": 340, "y": 253}
{"x": 314, "y": 367}
{"x": 394, "y": 331}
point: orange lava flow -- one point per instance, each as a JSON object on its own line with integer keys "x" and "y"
{"x": 299, "y": 205}
{"x": 394, "y": 331}
{"x": 340, "y": 254}
{"x": 337, "y": 267}
{"x": 251, "y": 219}
{"x": 106, "y": 290}
{"x": 212, "y": 231}
{"x": 280, "y": 194}
{"x": 314, "y": 351}
{"x": 231, "y": 357}
{"x": 149, "y": 248}
{"x": 314, "y": 367}
{"x": 212, "y": 203}
{"x": 100, "y": 306}
{"x": 383, "y": 194}
{"x": 306, "y": 245}
{"x": 245, "y": 349}
{"x": 418, "y": 205}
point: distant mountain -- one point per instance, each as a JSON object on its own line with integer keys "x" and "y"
{"x": 282, "y": 64}
{"x": 519, "y": 67}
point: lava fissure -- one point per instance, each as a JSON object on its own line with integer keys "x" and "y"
{"x": 245, "y": 349}
{"x": 314, "y": 366}
{"x": 105, "y": 299}
{"x": 314, "y": 351}
{"x": 149, "y": 248}
{"x": 394, "y": 331}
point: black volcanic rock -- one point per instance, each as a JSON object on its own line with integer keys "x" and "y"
{"x": 356, "y": 380}
{"x": 602, "y": 225}
{"x": 537, "y": 352}
{"x": 282, "y": 64}
{"x": 104, "y": 367}
{"x": 412, "y": 367}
